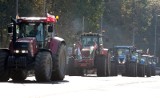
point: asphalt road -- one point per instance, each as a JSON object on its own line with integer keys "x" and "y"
{"x": 90, "y": 86}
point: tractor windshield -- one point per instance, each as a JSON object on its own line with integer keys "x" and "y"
{"x": 31, "y": 30}
{"x": 123, "y": 51}
{"x": 90, "y": 40}
{"x": 144, "y": 58}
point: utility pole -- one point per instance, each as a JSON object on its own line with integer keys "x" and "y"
{"x": 155, "y": 34}
{"x": 16, "y": 8}
{"x": 101, "y": 23}
{"x": 44, "y": 7}
{"x": 83, "y": 25}
{"x": 133, "y": 20}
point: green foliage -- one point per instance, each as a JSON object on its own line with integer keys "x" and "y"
{"x": 128, "y": 15}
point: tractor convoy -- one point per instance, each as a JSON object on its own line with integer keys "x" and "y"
{"x": 33, "y": 47}
{"x": 88, "y": 53}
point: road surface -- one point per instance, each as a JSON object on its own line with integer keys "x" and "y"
{"x": 83, "y": 87}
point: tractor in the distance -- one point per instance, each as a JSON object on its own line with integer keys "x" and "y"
{"x": 147, "y": 65}
{"x": 33, "y": 47}
{"x": 89, "y": 54}
{"x": 124, "y": 61}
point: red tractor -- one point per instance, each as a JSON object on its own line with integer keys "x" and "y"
{"x": 89, "y": 53}
{"x": 33, "y": 47}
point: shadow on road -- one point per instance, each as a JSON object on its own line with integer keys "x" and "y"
{"x": 35, "y": 82}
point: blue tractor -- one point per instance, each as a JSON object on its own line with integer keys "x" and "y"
{"x": 144, "y": 66}
{"x": 124, "y": 61}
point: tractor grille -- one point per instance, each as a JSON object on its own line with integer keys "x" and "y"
{"x": 85, "y": 54}
{"x": 121, "y": 59}
{"x": 21, "y": 45}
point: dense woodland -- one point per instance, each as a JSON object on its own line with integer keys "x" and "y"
{"x": 122, "y": 20}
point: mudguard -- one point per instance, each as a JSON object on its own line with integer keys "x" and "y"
{"x": 104, "y": 51}
{"x": 4, "y": 49}
{"x": 54, "y": 44}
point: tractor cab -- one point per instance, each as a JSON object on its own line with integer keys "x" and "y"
{"x": 122, "y": 54}
{"x": 27, "y": 28}
{"x": 91, "y": 39}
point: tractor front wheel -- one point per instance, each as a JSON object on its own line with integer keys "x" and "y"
{"x": 18, "y": 75}
{"x": 43, "y": 67}
{"x": 4, "y": 73}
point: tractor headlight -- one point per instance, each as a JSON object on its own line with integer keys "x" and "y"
{"x": 20, "y": 51}
{"x": 121, "y": 62}
{"x": 16, "y": 51}
{"x": 24, "y": 51}
{"x": 124, "y": 61}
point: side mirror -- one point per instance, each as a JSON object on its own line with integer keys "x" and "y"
{"x": 10, "y": 29}
{"x": 50, "y": 29}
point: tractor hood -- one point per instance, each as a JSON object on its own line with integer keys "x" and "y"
{"x": 90, "y": 49}
{"x": 134, "y": 58}
{"x": 142, "y": 61}
{"x": 26, "y": 39}
{"x": 122, "y": 59}
{"x": 122, "y": 56}
{"x": 24, "y": 45}
{"x": 87, "y": 51}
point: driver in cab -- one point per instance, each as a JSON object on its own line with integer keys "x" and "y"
{"x": 34, "y": 31}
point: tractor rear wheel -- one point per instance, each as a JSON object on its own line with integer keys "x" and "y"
{"x": 132, "y": 69}
{"x": 4, "y": 73}
{"x": 71, "y": 68}
{"x": 59, "y": 61}
{"x": 18, "y": 75}
{"x": 101, "y": 66}
{"x": 114, "y": 69}
{"x": 148, "y": 71}
{"x": 141, "y": 70}
{"x": 153, "y": 71}
{"x": 43, "y": 67}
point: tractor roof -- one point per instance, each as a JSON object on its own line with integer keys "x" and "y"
{"x": 91, "y": 34}
{"x": 124, "y": 47}
{"x": 48, "y": 19}
{"x": 147, "y": 55}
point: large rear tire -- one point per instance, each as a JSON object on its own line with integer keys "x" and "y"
{"x": 141, "y": 70}
{"x": 18, "y": 75}
{"x": 148, "y": 71}
{"x": 132, "y": 69}
{"x": 71, "y": 68}
{"x": 43, "y": 67}
{"x": 59, "y": 63}
{"x": 102, "y": 68}
{"x": 114, "y": 71}
{"x": 4, "y": 73}
{"x": 153, "y": 71}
